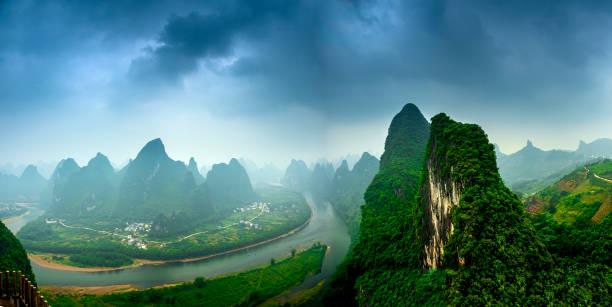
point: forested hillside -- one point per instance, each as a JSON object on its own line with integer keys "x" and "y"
{"x": 348, "y": 187}
{"x": 532, "y": 169}
{"x": 581, "y": 197}
{"x": 13, "y": 256}
{"x": 464, "y": 238}
{"x": 387, "y": 237}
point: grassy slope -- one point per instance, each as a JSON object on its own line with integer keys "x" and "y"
{"x": 579, "y": 197}
{"x": 252, "y": 286}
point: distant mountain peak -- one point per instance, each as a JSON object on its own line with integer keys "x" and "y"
{"x": 234, "y": 162}
{"x": 529, "y": 144}
{"x": 193, "y": 168}
{"x": 344, "y": 165}
{"x": 408, "y": 125}
{"x": 100, "y": 162}
{"x": 366, "y": 155}
{"x": 154, "y": 148}
{"x": 30, "y": 172}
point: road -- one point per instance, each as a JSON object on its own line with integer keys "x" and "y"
{"x": 158, "y": 242}
{"x": 597, "y": 176}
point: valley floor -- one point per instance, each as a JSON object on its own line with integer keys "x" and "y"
{"x": 46, "y": 260}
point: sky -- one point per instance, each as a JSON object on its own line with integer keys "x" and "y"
{"x": 275, "y": 80}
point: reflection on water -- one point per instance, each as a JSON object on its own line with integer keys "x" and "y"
{"x": 325, "y": 227}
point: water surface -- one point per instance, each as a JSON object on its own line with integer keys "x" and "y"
{"x": 325, "y": 227}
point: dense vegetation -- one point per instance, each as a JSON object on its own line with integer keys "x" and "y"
{"x": 348, "y": 187}
{"x": 579, "y": 198}
{"x": 582, "y": 274}
{"x": 13, "y": 256}
{"x": 248, "y": 288}
{"x": 386, "y": 240}
{"x": 101, "y": 259}
{"x": 494, "y": 255}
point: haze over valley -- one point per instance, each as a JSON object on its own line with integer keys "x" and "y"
{"x": 305, "y": 153}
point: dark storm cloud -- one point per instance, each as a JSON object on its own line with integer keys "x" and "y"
{"x": 333, "y": 54}
{"x": 330, "y": 56}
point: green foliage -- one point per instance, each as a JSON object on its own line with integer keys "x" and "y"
{"x": 101, "y": 259}
{"x": 494, "y": 255}
{"x": 578, "y": 196}
{"x": 248, "y": 288}
{"x": 348, "y": 187}
{"x": 387, "y": 238}
{"x": 199, "y": 282}
{"x": 583, "y": 257}
{"x": 13, "y": 256}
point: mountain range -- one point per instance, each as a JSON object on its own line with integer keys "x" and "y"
{"x": 29, "y": 187}
{"x": 298, "y": 176}
{"x": 439, "y": 227}
{"x": 150, "y": 185}
{"x": 581, "y": 197}
{"x": 532, "y": 169}
{"x": 347, "y": 188}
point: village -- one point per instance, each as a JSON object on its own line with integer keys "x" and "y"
{"x": 264, "y": 207}
{"x": 135, "y": 229}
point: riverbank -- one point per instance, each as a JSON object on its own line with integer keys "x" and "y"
{"x": 226, "y": 290}
{"x": 14, "y": 219}
{"x": 38, "y": 259}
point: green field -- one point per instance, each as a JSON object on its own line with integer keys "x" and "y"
{"x": 246, "y": 288}
{"x": 283, "y": 212}
{"x": 579, "y": 197}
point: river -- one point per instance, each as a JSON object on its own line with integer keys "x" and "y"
{"x": 325, "y": 227}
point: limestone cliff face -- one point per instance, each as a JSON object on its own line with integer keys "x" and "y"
{"x": 439, "y": 196}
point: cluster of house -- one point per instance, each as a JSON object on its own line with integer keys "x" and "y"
{"x": 133, "y": 241}
{"x": 255, "y": 206}
{"x": 138, "y": 227}
{"x": 248, "y": 224}
{"x": 50, "y": 221}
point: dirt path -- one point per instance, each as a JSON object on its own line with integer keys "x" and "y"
{"x": 604, "y": 179}
{"x": 597, "y": 176}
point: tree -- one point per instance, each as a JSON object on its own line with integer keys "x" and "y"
{"x": 272, "y": 261}
{"x": 293, "y": 251}
{"x": 199, "y": 282}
